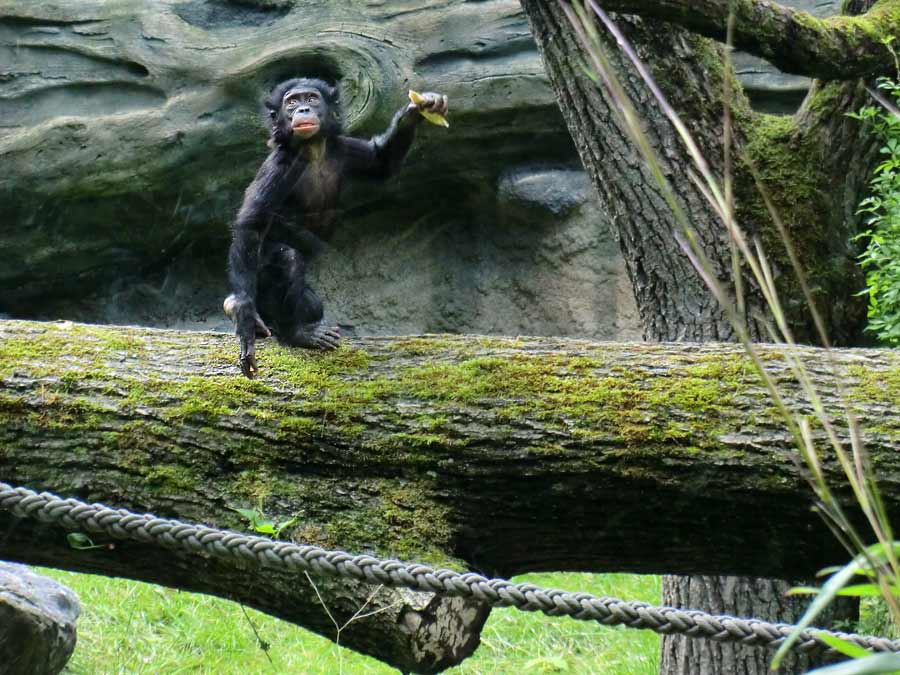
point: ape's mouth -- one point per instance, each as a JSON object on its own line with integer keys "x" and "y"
{"x": 305, "y": 126}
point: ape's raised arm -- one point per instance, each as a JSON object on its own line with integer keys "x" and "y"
{"x": 382, "y": 155}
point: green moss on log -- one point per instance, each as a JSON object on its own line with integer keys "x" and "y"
{"x": 303, "y": 396}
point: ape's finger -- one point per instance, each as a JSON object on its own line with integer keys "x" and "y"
{"x": 262, "y": 327}
{"x": 248, "y": 353}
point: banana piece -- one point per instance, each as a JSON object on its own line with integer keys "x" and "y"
{"x": 434, "y": 118}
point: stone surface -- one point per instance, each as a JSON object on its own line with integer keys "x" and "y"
{"x": 129, "y": 130}
{"x": 37, "y": 622}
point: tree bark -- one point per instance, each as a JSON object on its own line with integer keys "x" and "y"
{"x": 813, "y": 166}
{"x": 834, "y": 48}
{"x": 503, "y": 455}
{"x": 512, "y": 455}
{"x": 739, "y": 596}
{"x": 664, "y": 281}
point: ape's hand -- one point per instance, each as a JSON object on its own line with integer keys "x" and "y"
{"x": 248, "y": 325}
{"x": 430, "y": 105}
{"x": 433, "y": 102}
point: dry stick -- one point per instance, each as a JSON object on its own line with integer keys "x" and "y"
{"x": 262, "y": 643}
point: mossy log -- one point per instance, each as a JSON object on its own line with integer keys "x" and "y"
{"x": 833, "y": 48}
{"x": 500, "y": 454}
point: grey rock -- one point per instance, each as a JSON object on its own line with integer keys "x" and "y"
{"x": 556, "y": 190}
{"x": 496, "y": 269}
{"x": 37, "y": 622}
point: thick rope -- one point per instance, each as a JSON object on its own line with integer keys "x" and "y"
{"x": 121, "y": 524}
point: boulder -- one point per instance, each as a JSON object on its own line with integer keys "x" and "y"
{"x": 37, "y": 622}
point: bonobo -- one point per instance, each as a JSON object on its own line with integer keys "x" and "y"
{"x": 291, "y": 205}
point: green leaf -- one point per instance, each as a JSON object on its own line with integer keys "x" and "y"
{"x": 80, "y": 541}
{"x": 254, "y": 517}
{"x": 249, "y": 514}
{"x": 829, "y": 592}
{"x": 283, "y": 526}
{"x": 845, "y": 647}
{"x": 864, "y": 591}
{"x": 871, "y": 665}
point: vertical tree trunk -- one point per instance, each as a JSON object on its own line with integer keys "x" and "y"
{"x": 672, "y": 300}
{"x": 812, "y": 191}
{"x": 737, "y": 596}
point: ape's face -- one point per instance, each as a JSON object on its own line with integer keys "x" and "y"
{"x": 304, "y": 109}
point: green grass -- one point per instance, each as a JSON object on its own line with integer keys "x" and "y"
{"x": 130, "y": 628}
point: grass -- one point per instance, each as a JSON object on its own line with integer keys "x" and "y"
{"x": 131, "y": 628}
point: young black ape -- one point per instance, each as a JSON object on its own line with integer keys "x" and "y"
{"x": 291, "y": 204}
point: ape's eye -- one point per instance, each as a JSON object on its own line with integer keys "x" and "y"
{"x": 313, "y": 99}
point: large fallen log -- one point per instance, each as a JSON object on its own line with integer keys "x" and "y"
{"x": 500, "y": 454}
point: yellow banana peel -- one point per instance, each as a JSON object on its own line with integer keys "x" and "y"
{"x": 432, "y": 117}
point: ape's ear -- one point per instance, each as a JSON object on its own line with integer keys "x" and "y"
{"x": 273, "y": 113}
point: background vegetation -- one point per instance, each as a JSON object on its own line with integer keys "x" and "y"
{"x": 881, "y": 258}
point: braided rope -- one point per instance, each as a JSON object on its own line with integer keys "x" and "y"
{"x": 148, "y": 529}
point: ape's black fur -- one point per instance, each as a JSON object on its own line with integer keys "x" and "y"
{"x": 291, "y": 203}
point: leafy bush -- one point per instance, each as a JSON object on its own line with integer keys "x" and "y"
{"x": 881, "y": 259}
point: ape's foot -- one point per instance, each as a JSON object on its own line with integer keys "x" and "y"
{"x": 317, "y": 336}
{"x": 347, "y": 329}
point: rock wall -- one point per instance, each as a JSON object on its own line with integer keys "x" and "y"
{"x": 128, "y": 131}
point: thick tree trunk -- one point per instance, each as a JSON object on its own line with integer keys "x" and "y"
{"x": 738, "y": 596}
{"x": 509, "y": 454}
{"x": 664, "y": 281}
{"x": 812, "y": 166}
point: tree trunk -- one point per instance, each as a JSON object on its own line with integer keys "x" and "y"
{"x": 672, "y": 300}
{"x": 813, "y": 166}
{"x": 512, "y": 455}
{"x": 738, "y": 596}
